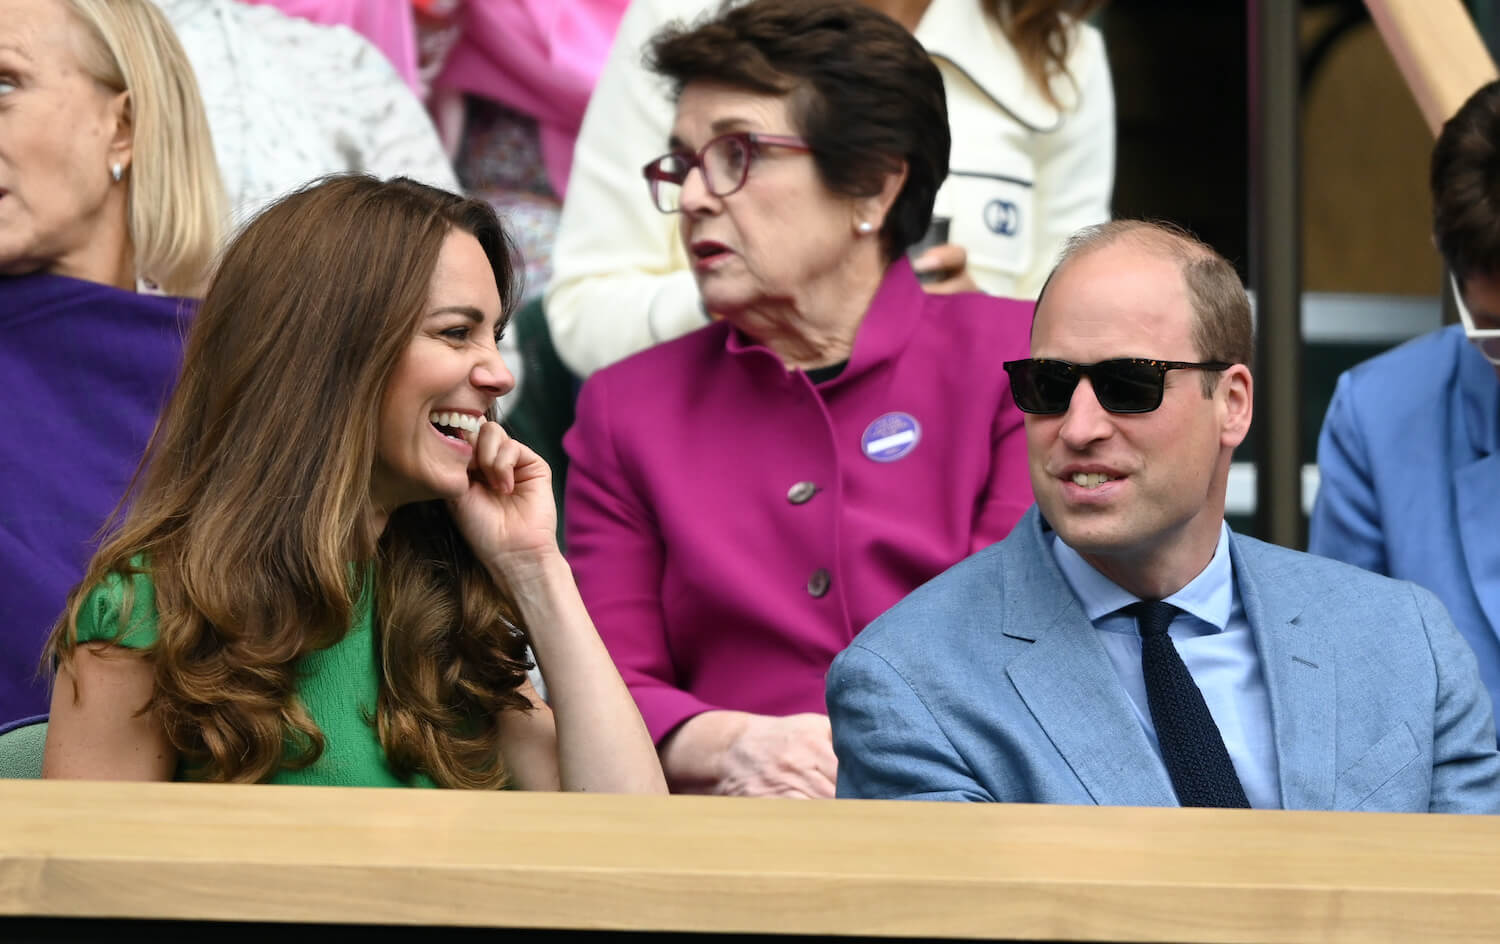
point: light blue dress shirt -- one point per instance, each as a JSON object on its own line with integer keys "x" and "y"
{"x": 1214, "y": 639}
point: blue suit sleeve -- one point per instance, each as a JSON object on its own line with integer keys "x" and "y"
{"x": 1346, "y": 523}
{"x": 889, "y": 746}
{"x": 1465, "y": 763}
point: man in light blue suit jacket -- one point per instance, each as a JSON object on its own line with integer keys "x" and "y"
{"x": 1015, "y": 676}
{"x": 1410, "y": 450}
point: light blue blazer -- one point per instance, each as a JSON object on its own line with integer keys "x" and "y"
{"x": 1410, "y": 480}
{"x": 989, "y": 683}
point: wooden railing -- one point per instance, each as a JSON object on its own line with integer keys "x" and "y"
{"x": 1438, "y": 51}
{"x": 198, "y": 853}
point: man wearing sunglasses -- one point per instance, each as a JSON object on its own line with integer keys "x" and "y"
{"x": 1409, "y": 455}
{"x": 1122, "y": 646}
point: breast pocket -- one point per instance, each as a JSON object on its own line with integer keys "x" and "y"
{"x": 991, "y": 217}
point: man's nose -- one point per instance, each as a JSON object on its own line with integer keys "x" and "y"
{"x": 1085, "y": 421}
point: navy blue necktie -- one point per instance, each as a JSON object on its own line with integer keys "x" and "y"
{"x": 1191, "y": 746}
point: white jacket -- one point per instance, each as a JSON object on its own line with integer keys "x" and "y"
{"x": 1023, "y": 175}
{"x": 289, "y": 100}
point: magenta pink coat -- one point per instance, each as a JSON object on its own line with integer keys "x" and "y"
{"x": 732, "y": 525}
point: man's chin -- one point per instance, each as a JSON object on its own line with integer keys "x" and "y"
{"x": 1090, "y": 531}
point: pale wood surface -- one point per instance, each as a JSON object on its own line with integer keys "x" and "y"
{"x": 1437, "y": 49}
{"x": 304, "y": 854}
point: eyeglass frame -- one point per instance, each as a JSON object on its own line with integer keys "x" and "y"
{"x": 1085, "y": 370}
{"x": 749, "y": 140}
{"x": 1476, "y": 336}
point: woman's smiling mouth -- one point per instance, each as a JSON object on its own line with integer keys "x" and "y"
{"x": 455, "y": 425}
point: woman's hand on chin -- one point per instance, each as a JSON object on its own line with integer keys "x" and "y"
{"x": 507, "y": 515}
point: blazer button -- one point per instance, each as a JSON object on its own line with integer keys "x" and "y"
{"x": 817, "y": 584}
{"x": 801, "y": 493}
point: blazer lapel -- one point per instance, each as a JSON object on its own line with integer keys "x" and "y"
{"x": 1475, "y": 467}
{"x": 1478, "y": 523}
{"x": 1301, "y": 679}
{"x": 1070, "y": 687}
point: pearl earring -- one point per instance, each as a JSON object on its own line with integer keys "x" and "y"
{"x": 117, "y": 171}
{"x": 865, "y": 227}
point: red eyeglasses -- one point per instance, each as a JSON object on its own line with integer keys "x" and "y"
{"x": 725, "y": 162}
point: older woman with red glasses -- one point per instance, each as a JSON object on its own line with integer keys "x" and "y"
{"x": 743, "y": 500}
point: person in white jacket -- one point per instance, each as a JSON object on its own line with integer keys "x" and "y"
{"x": 1030, "y": 164}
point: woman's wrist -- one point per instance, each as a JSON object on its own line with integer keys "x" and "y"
{"x": 694, "y": 756}
{"x": 519, "y": 572}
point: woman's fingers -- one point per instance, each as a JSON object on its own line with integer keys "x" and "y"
{"x": 946, "y": 268}
{"x": 502, "y": 461}
{"x": 495, "y": 455}
{"x": 941, "y": 261}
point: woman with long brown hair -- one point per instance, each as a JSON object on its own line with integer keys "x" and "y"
{"x": 333, "y": 562}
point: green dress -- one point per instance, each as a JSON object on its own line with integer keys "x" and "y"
{"x": 338, "y": 686}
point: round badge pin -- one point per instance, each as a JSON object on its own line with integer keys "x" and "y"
{"x": 890, "y": 437}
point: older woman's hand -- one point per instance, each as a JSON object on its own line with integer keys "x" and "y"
{"x": 949, "y": 265}
{"x": 789, "y": 757}
{"x": 735, "y": 753}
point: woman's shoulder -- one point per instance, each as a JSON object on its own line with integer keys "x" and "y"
{"x": 976, "y": 317}
{"x": 664, "y": 370}
{"x": 128, "y": 597}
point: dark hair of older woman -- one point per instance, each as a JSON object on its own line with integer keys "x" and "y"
{"x": 108, "y": 184}
{"x": 743, "y": 500}
{"x": 334, "y": 560}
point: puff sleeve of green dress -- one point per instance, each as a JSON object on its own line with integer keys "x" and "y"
{"x": 338, "y": 685}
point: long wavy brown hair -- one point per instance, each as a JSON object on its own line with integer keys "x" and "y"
{"x": 251, "y": 510}
{"x": 1042, "y": 31}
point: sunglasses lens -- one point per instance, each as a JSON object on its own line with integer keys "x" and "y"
{"x": 1125, "y": 387}
{"x": 1042, "y": 386}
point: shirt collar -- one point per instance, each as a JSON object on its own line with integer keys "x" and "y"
{"x": 1208, "y": 596}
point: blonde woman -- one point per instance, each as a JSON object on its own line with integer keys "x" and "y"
{"x": 108, "y": 168}
{"x": 109, "y": 196}
{"x": 307, "y": 590}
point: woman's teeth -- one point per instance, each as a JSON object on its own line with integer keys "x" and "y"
{"x": 465, "y": 422}
{"x": 1090, "y": 479}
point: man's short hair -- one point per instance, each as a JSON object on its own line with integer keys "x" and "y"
{"x": 1221, "y": 309}
{"x": 1465, "y": 181}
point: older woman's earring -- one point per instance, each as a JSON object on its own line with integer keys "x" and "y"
{"x": 865, "y": 227}
{"x": 117, "y": 171}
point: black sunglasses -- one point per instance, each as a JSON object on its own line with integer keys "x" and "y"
{"x": 1122, "y": 385}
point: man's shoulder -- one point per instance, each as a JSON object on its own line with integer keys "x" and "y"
{"x": 1266, "y": 558}
{"x": 967, "y": 598}
{"x": 1273, "y": 566}
{"x": 1422, "y": 363}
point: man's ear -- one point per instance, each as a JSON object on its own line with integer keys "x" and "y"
{"x": 122, "y": 139}
{"x": 1235, "y": 397}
